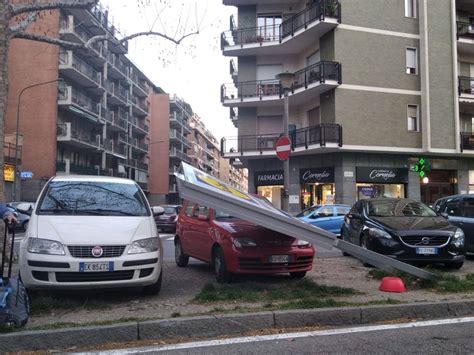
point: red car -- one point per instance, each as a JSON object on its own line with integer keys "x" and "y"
{"x": 232, "y": 245}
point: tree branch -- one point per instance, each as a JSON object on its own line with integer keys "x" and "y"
{"x": 46, "y": 39}
{"x": 24, "y": 23}
{"x": 16, "y": 10}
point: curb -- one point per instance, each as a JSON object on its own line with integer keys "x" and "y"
{"x": 230, "y": 324}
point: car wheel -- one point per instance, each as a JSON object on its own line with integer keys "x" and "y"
{"x": 365, "y": 245}
{"x": 220, "y": 267}
{"x": 25, "y": 225}
{"x": 454, "y": 265}
{"x": 298, "y": 274}
{"x": 345, "y": 240}
{"x": 155, "y": 288}
{"x": 181, "y": 259}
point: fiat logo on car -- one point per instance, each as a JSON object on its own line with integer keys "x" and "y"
{"x": 97, "y": 252}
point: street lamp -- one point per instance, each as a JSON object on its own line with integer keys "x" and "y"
{"x": 286, "y": 81}
{"x": 18, "y": 128}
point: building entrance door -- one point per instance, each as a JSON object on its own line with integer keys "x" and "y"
{"x": 441, "y": 183}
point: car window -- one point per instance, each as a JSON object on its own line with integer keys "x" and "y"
{"x": 93, "y": 198}
{"x": 307, "y": 211}
{"x": 342, "y": 211}
{"x": 219, "y": 215}
{"x": 359, "y": 208}
{"x": 200, "y": 211}
{"x": 169, "y": 210}
{"x": 452, "y": 207}
{"x": 468, "y": 207}
{"x": 324, "y": 212}
{"x": 438, "y": 206}
{"x": 189, "y": 210}
{"x": 399, "y": 208}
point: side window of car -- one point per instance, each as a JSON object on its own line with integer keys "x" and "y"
{"x": 342, "y": 211}
{"x": 189, "y": 210}
{"x": 324, "y": 212}
{"x": 468, "y": 207}
{"x": 360, "y": 208}
{"x": 201, "y": 211}
{"x": 452, "y": 207}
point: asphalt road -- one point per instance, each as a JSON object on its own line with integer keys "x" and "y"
{"x": 451, "y": 336}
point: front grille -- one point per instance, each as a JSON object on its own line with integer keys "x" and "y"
{"x": 257, "y": 264}
{"x": 94, "y": 276}
{"x": 85, "y": 251}
{"x": 423, "y": 240}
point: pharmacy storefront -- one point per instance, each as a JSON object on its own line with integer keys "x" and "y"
{"x": 269, "y": 184}
{"x": 373, "y": 182}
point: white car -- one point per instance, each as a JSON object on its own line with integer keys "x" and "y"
{"x": 88, "y": 232}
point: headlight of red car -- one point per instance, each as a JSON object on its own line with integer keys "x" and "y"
{"x": 303, "y": 244}
{"x": 244, "y": 242}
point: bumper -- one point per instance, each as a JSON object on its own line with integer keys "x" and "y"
{"x": 65, "y": 272}
{"x": 161, "y": 225}
{"x": 257, "y": 260}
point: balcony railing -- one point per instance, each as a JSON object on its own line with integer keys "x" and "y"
{"x": 82, "y": 169}
{"x": 465, "y": 29}
{"x": 316, "y": 73}
{"x": 316, "y": 12}
{"x": 304, "y": 137}
{"x": 69, "y": 93}
{"x": 67, "y": 58}
{"x": 466, "y": 85}
{"x": 9, "y": 151}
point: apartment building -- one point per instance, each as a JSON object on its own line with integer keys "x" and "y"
{"x": 235, "y": 177}
{"x": 90, "y": 111}
{"x": 378, "y": 86}
{"x": 205, "y": 152}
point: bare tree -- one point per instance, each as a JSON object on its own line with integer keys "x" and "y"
{"x": 16, "y": 16}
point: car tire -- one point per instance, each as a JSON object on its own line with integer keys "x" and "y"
{"x": 364, "y": 245}
{"x": 181, "y": 259}
{"x": 344, "y": 239}
{"x": 155, "y": 288}
{"x": 24, "y": 226}
{"x": 220, "y": 267}
{"x": 298, "y": 275}
{"x": 455, "y": 265}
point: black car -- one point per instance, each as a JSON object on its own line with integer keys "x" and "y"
{"x": 167, "y": 221}
{"x": 22, "y": 219}
{"x": 459, "y": 210}
{"x": 404, "y": 229}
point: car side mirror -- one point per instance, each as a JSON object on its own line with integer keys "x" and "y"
{"x": 25, "y": 208}
{"x": 157, "y": 210}
{"x": 444, "y": 214}
{"x": 203, "y": 218}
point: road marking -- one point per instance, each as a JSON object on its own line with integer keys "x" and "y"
{"x": 260, "y": 338}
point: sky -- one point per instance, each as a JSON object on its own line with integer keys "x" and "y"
{"x": 194, "y": 70}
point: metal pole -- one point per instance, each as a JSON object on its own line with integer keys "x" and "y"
{"x": 286, "y": 163}
{"x": 18, "y": 128}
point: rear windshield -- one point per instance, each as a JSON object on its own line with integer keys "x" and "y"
{"x": 170, "y": 210}
{"x": 219, "y": 215}
{"x": 93, "y": 198}
{"x": 399, "y": 208}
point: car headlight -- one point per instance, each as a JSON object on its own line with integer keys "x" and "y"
{"x": 45, "y": 246}
{"x": 244, "y": 242}
{"x": 303, "y": 243}
{"x": 148, "y": 245}
{"x": 379, "y": 233}
{"x": 458, "y": 239}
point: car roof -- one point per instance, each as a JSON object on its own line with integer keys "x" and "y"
{"x": 94, "y": 178}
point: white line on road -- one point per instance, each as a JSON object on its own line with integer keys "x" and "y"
{"x": 260, "y": 338}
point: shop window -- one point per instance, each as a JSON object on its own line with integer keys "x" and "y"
{"x": 411, "y": 8}
{"x": 413, "y": 119}
{"x": 411, "y": 61}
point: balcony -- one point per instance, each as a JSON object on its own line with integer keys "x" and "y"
{"x": 82, "y": 169}
{"x": 139, "y": 107}
{"x": 118, "y": 95}
{"x": 177, "y": 154}
{"x": 467, "y": 141}
{"x": 79, "y": 103}
{"x": 138, "y": 127}
{"x": 315, "y": 137}
{"x": 176, "y": 136}
{"x": 142, "y": 166}
{"x": 79, "y": 138}
{"x": 292, "y": 36}
{"x": 309, "y": 82}
{"x": 139, "y": 87}
{"x": 73, "y": 67}
{"x": 465, "y": 37}
{"x": 234, "y": 73}
{"x": 9, "y": 151}
{"x": 115, "y": 148}
{"x": 117, "y": 68}
{"x": 177, "y": 120}
{"x": 466, "y": 89}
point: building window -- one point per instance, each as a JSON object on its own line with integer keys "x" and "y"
{"x": 413, "y": 121}
{"x": 269, "y": 27}
{"x": 411, "y": 59}
{"x": 411, "y": 8}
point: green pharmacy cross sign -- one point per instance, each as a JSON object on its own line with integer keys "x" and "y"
{"x": 422, "y": 167}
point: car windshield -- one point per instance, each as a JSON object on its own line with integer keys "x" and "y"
{"x": 399, "y": 208}
{"x": 307, "y": 211}
{"x": 93, "y": 198}
{"x": 219, "y": 215}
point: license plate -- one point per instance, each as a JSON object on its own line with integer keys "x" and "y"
{"x": 279, "y": 258}
{"x": 427, "y": 251}
{"x": 96, "y": 267}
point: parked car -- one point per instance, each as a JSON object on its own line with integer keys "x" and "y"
{"x": 233, "y": 245}
{"x": 91, "y": 232}
{"x": 328, "y": 217}
{"x": 459, "y": 210}
{"x": 22, "y": 219}
{"x": 167, "y": 221}
{"x": 404, "y": 229}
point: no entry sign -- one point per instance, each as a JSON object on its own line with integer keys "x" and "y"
{"x": 283, "y": 148}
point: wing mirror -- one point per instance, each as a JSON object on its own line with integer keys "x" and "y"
{"x": 25, "y": 208}
{"x": 157, "y": 210}
{"x": 203, "y": 218}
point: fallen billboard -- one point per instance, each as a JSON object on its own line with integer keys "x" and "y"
{"x": 199, "y": 187}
